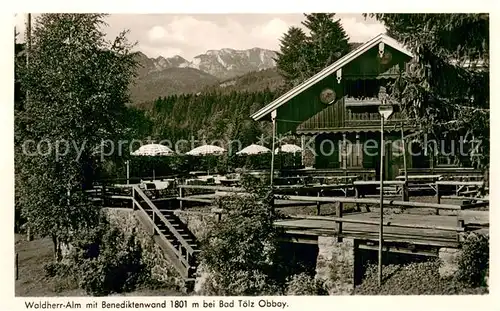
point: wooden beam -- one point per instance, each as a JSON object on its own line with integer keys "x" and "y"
{"x": 376, "y": 223}
{"x": 214, "y": 188}
{"x": 371, "y": 201}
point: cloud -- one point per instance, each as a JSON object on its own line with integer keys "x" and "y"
{"x": 195, "y": 36}
{"x": 274, "y": 28}
{"x": 190, "y": 35}
{"x": 360, "y": 31}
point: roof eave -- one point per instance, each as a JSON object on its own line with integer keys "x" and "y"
{"x": 327, "y": 71}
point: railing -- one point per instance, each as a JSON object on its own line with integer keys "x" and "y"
{"x": 339, "y": 220}
{"x": 361, "y": 173}
{"x": 203, "y": 198}
{"x": 369, "y": 118}
{"x": 184, "y": 252}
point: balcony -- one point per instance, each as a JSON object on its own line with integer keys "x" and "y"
{"x": 356, "y": 119}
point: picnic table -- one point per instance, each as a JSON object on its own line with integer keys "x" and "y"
{"x": 156, "y": 186}
{"x": 421, "y": 182}
{"x": 336, "y": 179}
{"x": 420, "y": 177}
{"x": 363, "y": 187}
{"x": 464, "y": 178}
{"x": 294, "y": 180}
{"x": 463, "y": 189}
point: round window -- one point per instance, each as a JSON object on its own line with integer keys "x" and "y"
{"x": 327, "y": 96}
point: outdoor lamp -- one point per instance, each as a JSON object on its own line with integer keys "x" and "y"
{"x": 385, "y": 111}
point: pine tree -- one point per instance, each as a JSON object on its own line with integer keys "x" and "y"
{"x": 291, "y": 60}
{"x": 445, "y": 91}
{"x": 302, "y": 56}
{"x": 327, "y": 41}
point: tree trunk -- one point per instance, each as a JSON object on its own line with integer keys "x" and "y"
{"x": 57, "y": 248}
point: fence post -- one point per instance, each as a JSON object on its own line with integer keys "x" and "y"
{"x": 460, "y": 224}
{"x": 438, "y": 197}
{"x": 318, "y": 205}
{"x": 103, "y": 194}
{"x": 133, "y": 198}
{"x": 181, "y": 193}
{"x": 356, "y": 195}
{"x": 29, "y": 236}
{"x": 339, "y": 213}
{"x": 17, "y": 266}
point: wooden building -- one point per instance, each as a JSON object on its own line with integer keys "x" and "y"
{"x": 336, "y": 113}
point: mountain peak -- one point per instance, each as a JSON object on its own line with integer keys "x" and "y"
{"x": 225, "y": 63}
{"x": 228, "y": 63}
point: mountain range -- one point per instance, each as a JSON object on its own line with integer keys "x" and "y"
{"x": 162, "y": 76}
{"x": 225, "y": 69}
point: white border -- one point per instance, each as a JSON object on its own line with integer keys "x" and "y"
{"x": 8, "y": 302}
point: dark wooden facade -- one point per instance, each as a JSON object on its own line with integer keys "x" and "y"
{"x": 351, "y": 123}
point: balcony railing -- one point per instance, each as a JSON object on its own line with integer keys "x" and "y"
{"x": 369, "y": 118}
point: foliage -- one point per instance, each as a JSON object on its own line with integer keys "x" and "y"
{"x": 304, "y": 285}
{"x": 447, "y": 88}
{"x": 181, "y": 164}
{"x": 301, "y": 56}
{"x": 413, "y": 279}
{"x": 189, "y": 119}
{"x": 106, "y": 261}
{"x": 327, "y": 41}
{"x": 240, "y": 251}
{"x": 252, "y": 82}
{"x": 291, "y": 60}
{"x": 473, "y": 263}
{"x": 77, "y": 83}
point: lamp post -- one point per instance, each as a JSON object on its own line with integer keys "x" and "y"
{"x": 385, "y": 112}
{"x": 273, "y": 117}
{"x": 128, "y": 171}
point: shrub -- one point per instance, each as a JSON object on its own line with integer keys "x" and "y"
{"x": 240, "y": 252}
{"x": 117, "y": 267}
{"x": 103, "y": 260}
{"x": 413, "y": 279}
{"x": 305, "y": 285}
{"x": 473, "y": 263}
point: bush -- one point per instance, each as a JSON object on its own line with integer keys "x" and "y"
{"x": 103, "y": 261}
{"x": 117, "y": 268}
{"x": 413, "y": 279}
{"x": 240, "y": 252}
{"x": 473, "y": 263}
{"x": 53, "y": 269}
{"x": 304, "y": 285}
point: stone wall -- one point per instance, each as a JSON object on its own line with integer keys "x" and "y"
{"x": 197, "y": 222}
{"x": 153, "y": 256}
{"x": 335, "y": 264}
{"x": 449, "y": 261}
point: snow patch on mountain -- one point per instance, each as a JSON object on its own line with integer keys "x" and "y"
{"x": 224, "y": 63}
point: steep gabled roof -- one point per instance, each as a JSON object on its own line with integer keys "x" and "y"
{"x": 328, "y": 71}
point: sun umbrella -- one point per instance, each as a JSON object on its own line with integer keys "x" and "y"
{"x": 254, "y": 149}
{"x": 206, "y": 150}
{"x": 153, "y": 150}
{"x": 288, "y": 148}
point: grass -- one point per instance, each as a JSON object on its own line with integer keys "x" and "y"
{"x": 33, "y": 282}
{"x": 414, "y": 279}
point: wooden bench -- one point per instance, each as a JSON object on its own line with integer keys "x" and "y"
{"x": 459, "y": 187}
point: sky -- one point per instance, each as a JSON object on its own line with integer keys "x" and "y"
{"x": 189, "y": 35}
